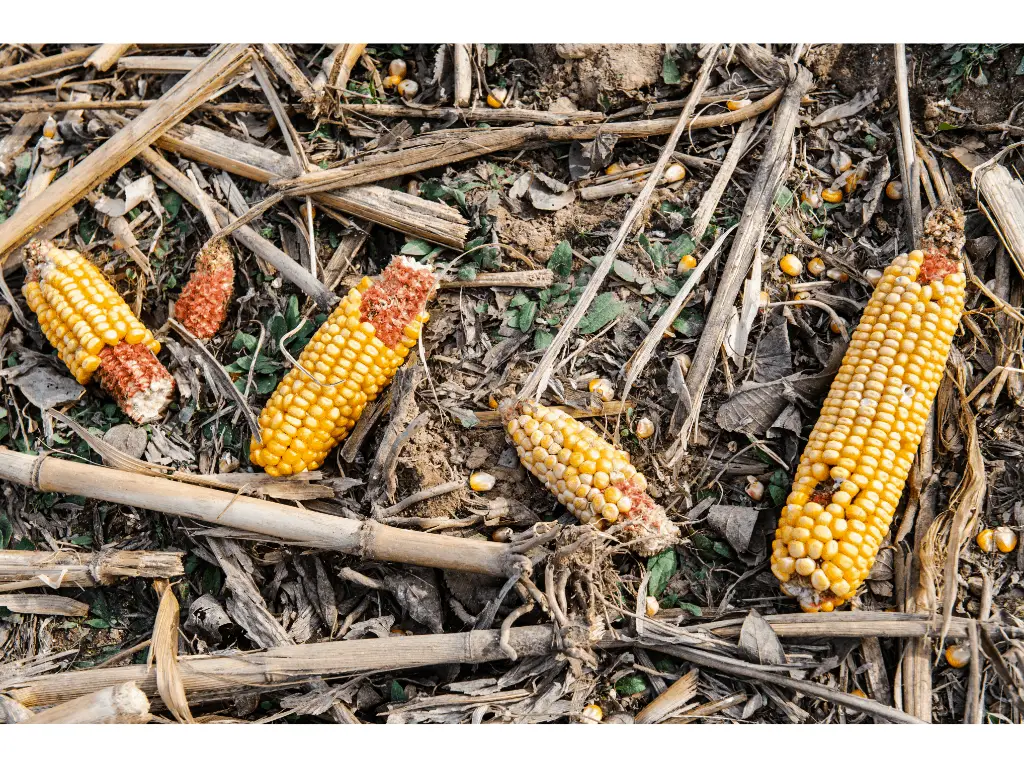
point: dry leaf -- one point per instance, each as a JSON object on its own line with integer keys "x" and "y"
{"x": 758, "y": 641}
{"x": 735, "y": 523}
{"x": 164, "y": 648}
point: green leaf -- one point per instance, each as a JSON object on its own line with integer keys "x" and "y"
{"x": 6, "y": 529}
{"x": 397, "y": 692}
{"x": 670, "y": 70}
{"x": 22, "y": 163}
{"x": 85, "y": 540}
{"x": 630, "y": 685}
{"x": 944, "y": 126}
{"x": 518, "y": 300}
{"x": 277, "y": 327}
{"x": 691, "y": 608}
{"x": 493, "y": 52}
{"x": 526, "y": 315}
{"x": 1020, "y": 67}
{"x": 667, "y": 286}
{"x": 542, "y": 339}
{"x": 467, "y": 273}
{"x": 434, "y": 191}
{"x": 25, "y": 545}
{"x": 561, "y": 259}
{"x": 783, "y": 198}
{"x": 682, "y": 246}
{"x": 244, "y": 341}
{"x": 778, "y": 494}
{"x": 171, "y": 201}
{"x": 818, "y": 232}
{"x": 417, "y": 248}
{"x": 604, "y": 309}
{"x": 662, "y": 567}
{"x": 624, "y": 270}
{"x": 97, "y": 623}
{"x": 291, "y": 313}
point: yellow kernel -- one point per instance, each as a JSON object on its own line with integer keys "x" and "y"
{"x": 832, "y": 195}
{"x": 651, "y": 606}
{"x": 644, "y": 428}
{"x": 894, "y": 190}
{"x": 985, "y": 540}
{"x": 791, "y": 265}
{"x": 592, "y": 713}
{"x": 1005, "y": 539}
{"x": 481, "y": 481}
{"x": 496, "y": 98}
{"x": 675, "y": 172}
{"x": 734, "y": 104}
{"x": 688, "y": 262}
{"x": 958, "y": 656}
{"x": 816, "y": 266}
{"x": 602, "y": 388}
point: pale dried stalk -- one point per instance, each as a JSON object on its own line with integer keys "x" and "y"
{"x": 45, "y": 66}
{"x": 709, "y": 202}
{"x": 123, "y": 704}
{"x": 161, "y": 65}
{"x": 472, "y": 114}
{"x": 463, "y": 74}
{"x": 186, "y": 95}
{"x": 288, "y": 70}
{"x": 527, "y": 278}
{"x": 45, "y": 605}
{"x": 164, "y": 649}
{"x": 1003, "y": 198}
{"x": 297, "y": 526}
{"x": 912, "y": 191}
{"x": 58, "y": 570}
{"x": 775, "y": 161}
{"x": 675, "y": 696}
{"x": 488, "y": 419}
{"x": 538, "y": 380}
{"x": 106, "y": 56}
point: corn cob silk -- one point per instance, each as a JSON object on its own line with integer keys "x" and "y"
{"x": 349, "y": 360}
{"x": 852, "y": 472}
{"x": 591, "y": 477}
{"x": 95, "y": 332}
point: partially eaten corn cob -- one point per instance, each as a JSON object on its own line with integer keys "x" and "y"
{"x": 203, "y": 305}
{"x": 95, "y": 332}
{"x": 590, "y": 476}
{"x": 349, "y": 360}
{"x": 857, "y": 459}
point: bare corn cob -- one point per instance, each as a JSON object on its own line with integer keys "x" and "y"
{"x": 95, "y": 332}
{"x": 349, "y": 360}
{"x": 856, "y": 462}
{"x": 203, "y": 305}
{"x": 589, "y": 475}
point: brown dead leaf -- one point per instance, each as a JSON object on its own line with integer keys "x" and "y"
{"x": 164, "y": 648}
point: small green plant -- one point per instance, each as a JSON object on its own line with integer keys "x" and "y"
{"x": 967, "y": 62}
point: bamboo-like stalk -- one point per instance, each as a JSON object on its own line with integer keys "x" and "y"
{"x": 463, "y": 74}
{"x": 158, "y": 64}
{"x": 57, "y": 570}
{"x": 472, "y": 114}
{"x": 124, "y": 703}
{"x": 288, "y": 70}
{"x": 44, "y": 605}
{"x": 107, "y": 55}
{"x": 298, "y": 526}
{"x": 45, "y": 66}
{"x": 208, "y": 678}
{"x": 193, "y": 89}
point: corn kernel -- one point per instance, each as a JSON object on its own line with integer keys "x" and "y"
{"x": 958, "y": 656}
{"x": 894, "y": 190}
{"x": 816, "y": 266}
{"x": 755, "y": 488}
{"x": 398, "y": 68}
{"x": 408, "y": 89}
{"x": 496, "y": 97}
{"x": 985, "y": 540}
{"x": 644, "y": 428}
{"x": 872, "y": 276}
{"x": 651, "y": 606}
{"x": 675, "y": 172}
{"x": 603, "y": 388}
{"x": 592, "y": 714}
{"x": 734, "y": 104}
{"x": 791, "y": 265}
{"x": 688, "y": 262}
{"x": 1005, "y": 539}
{"x": 481, "y": 481}
{"x": 832, "y": 195}
{"x": 613, "y": 169}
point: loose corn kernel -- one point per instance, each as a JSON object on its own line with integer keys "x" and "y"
{"x": 94, "y": 330}
{"x": 855, "y": 465}
{"x": 894, "y": 190}
{"x": 763, "y": 299}
{"x": 675, "y": 172}
{"x": 812, "y": 198}
{"x": 688, "y": 262}
{"x": 408, "y": 89}
{"x": 837, "y": 274}
{"x": 502, "y": 535}
{"x": 1006, "y": 539}
{"x": 842, "y": 164}
{"x": 592, "y": 714}
{"x": 398, "y": 68}
{"x": 872, "y": 276}
{"x": 492, "y": 402}
{"x": 481, "y": 481}
{"x": 835, "y": 327}
{"x": 496, "y": 97}
{"x": 985, "y": 540}
{"x": 958, "y": 656}
{"x": 651, "y": 606}
{"x": 604, "y": 489}
{"x": 203, "y": 305}
{"x": 755, "y": 488}
{"x": 734, "y": 104}
{"x": 50, "y": 127}
{"x": 603, "y": 388}
{"x": 832, "y": 195}
{"x": 349, "y": 360}
{"x": 684, "y": 362}
{"x": 613, "y": 169}
{"x": 791, "y": 265}
{"x": 816, "y": 266}
{"x": 644, "y": 428}
{"x": 390, "y": 82}
{"x": 858, "y": 693}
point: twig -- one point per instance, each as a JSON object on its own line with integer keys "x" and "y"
{"x": 423, "y": 495}
{"x": 538, "y": 380}
{"x": 463, "y": 74}
{"x": 472, "y": 114}
{"x": 751, "y": 229}
{"x": 58, "y": 570}
{"x": 709, "y": 202}
{"x": 106, "y": 56}
{"x": 123, "y": 703}
{"x": 912, "y": 190}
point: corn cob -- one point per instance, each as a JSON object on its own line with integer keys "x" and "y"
{"x": 203, "y": 304}
{"x": 852, "y": 472}
{"x": 349, "y": 360}
{"x": 95, "y": 332}
{"x": 592, "y": 478}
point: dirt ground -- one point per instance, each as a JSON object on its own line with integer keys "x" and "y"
{"x": 528, "y": 207}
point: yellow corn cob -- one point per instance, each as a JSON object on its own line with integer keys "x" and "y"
{"x": 857, "y": 459}
{"x": 94, "y": 331}
{"x": 346, "y": 364}
{"x": 593, "y": 478}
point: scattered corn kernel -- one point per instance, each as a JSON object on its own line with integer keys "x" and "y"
{"x": 958, "y": 656}
{"x": 94, "y": 330}
{"x": 734, "y": 104}
{"x": 894, "y": 190}
{"x": 1006, "y": 539}
{"x": 832, "y": 195}
{"x": 346, "y": 364}
{"x": 651, "y": 606}
{"x": 755, "y": 488}
{"x": 398, "y": 69}
{"x": 203, "y": 305}
{"x": 837, "y": 274}
{"x": 816, "y": 266}
{"x": 812, "y": 198}
{"x": 835, "y": 327}
{"x": 842, "y": 163}
{"x": 763, "y": 299}
{"x": 602, "y": 388}
{"x": 492, "y": 402}
{"x": 613, "y": 169}
{"x": 496, "y": 98}
{"x": 872, "y": 276}
{"x": 50, "y": 127}
{"x": 858, "y": 693}
{"x": 502, "y": 535}
{"x": 675, "y": 172}
{"x": 853, "y": 471}
{"x": 684, "y": 362}
{"x": 592, "y": 478}
{"x": 791, "y": 265}
{"x": 592, "y": 714}
{"x": 481, "y": 481}
{"x": 408, "y": 89}
{"x": 391, "y": 81}
{"x": 850, "y": 187}
{"x": 985, "y": 540}
{"x": 688, "y": 262}
{"x": 644, "y": 428}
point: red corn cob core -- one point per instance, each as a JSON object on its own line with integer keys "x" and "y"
{"x": 203, "y": 305}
